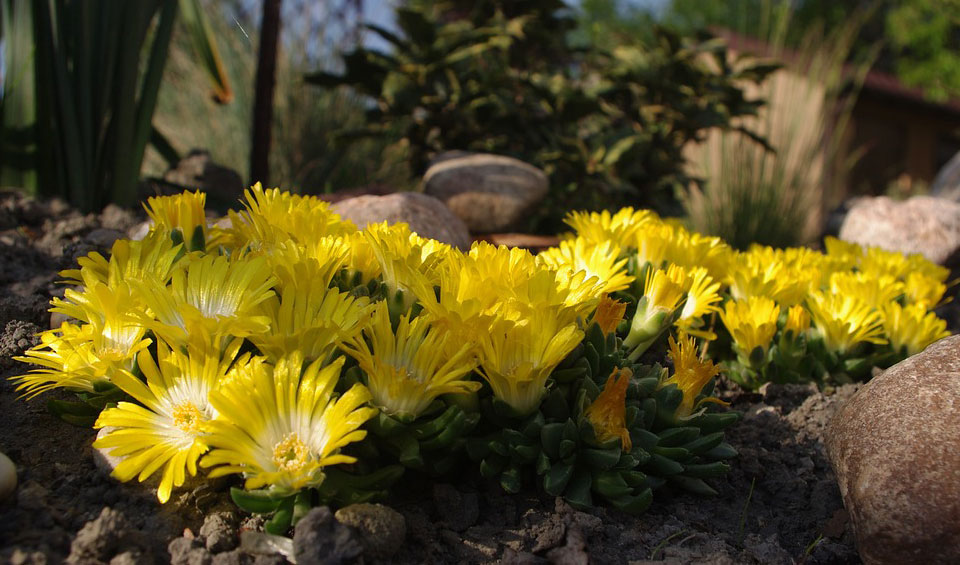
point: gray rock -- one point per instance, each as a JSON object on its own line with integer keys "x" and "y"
{"x": 425, "y": 215}
{"x": 197, "y": 171}
{"x": 921, "y": 224}
{"x": 106, "y": 537}
{"x": 318, "y": 538}
{"x": 895, "y": 449}
{"x": 187, "y": 551}
{"x": 219, "y": 531}
{"x": 104, "y": 237}
{"x": 382, "y": 529}
{"x": 458, "y": 510}
{"x": 490, "y": 193}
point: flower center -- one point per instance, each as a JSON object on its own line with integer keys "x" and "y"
{"x": 187, "y": 417}
{"x": 290, "y": 454}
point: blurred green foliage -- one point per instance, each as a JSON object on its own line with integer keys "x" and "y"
{"x": 607, "y": 125}
{"x": 77, "y": 118}
{"x": 919, "y": 40}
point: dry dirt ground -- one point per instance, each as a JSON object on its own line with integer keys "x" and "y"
{"x": 779, "y": 504}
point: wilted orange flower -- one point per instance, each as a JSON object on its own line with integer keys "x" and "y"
{"x": 608, "y": 413}
{"x": 608, "y": 314}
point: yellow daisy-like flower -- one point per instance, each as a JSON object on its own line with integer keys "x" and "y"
{"x": 758, "y": 274}
{"x": 751, "y": 323}
{"x": 407, "y": 369}
{"x": 152, "y": 258}
{"x": 877, "y": 262}
{"x": 917, "y": 263}
{"x": 873, "y": 290}
{"x": 912, "y": 327}
{"x": 798, "y": 320}
{"x": 621, "y": 227}
{"x": 166, "y": 429}
{"x": 845, "y": 321}
{"x": 657, "y": 244}
{"x": 77, "y": 357}
{"x": 110, "y": 315}
{"x": 281, "y": 425}
{"x": 272, "y": 217}
{"x": 924, "y": 290}
{"x": 361, "y": 259}
{"x": 67, "y": 360}
{"x": 662, "y": 295}
{"x": 310, "y": 318}
{"x": 317, "y": 261}
{"x": 703, "y": 294}
{"x": 517, "y": 357}
{"x": 211, "y": 296}
{"x": 404, "y": 258}
{"x": 843, "y": 254}
{"x": 181, "y": 214}
{"x": 608, "y": 413}
{"x": 601, "y": 262}
{"x": 690, "y": 374}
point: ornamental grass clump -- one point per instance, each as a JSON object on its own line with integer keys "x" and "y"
{"x": 318, "y": 362}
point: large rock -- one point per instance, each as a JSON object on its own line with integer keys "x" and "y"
{"x": 425, "y": 215}
{"x": 895, "y": 448}
{"x": 922, "y": 224}
{"x": 490, "y": 193}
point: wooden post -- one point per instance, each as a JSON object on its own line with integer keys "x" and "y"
{"x": 263, "y": 97}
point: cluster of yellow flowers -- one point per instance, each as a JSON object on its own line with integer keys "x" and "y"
{"x": 225, "y": 345}
{"x": 843, "y": 304}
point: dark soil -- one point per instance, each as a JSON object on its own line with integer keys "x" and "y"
{"x": 779, "y": 504}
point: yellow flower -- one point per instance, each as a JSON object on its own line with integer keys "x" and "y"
{"x": 662, "y": 295}
{"x": 911, "y": 327}
{"x": 845, "y": 321}
{"x": 281, "y": 425}
{"x": 517, "y": 357}
{"x": 751, "y": 323}
{"x": 608, "y": 314}
{"x": 181, "y": 214}
{"x": 152, "y": 258}
{"x": 871, "y": 289}
{"x": 703, "y": 293}
{"x": 405, "y": 259}
{"x": 798, "y": 320}
{"x": 878, "y": 262}
{"x": 924, "y": 290}
{"x": 758, "y": 273}
{"x": 656, "y": 244}
{"x": 690, "y": 374}
{"x": 407, "y": 369}
{"x": 310, "y": 318}
{"x": 608, "y": 413}
{"x": 620, "y": 228}
{"x": 917, "y": 263}
{"x": 600, "y": 262}
{"x": 77, "y": 357}
{"x": 166, "y": 429}
{"x": 272, "y": 217}
{"x": 845, "y": 255}
{"x": 317, "y": 261}
{"x": 211, "y": 296}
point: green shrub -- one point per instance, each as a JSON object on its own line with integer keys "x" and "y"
{"x": 608, "y": 127}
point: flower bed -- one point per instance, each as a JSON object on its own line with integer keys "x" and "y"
{"x": 321, "y": 362}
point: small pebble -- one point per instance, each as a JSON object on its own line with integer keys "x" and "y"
{"x": 8, "y": 477}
